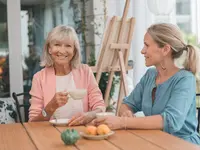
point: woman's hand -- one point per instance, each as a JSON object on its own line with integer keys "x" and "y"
{"x": 113, "y": 122}
{"x": 125, "y": 111}
{"x": 59, "y": 99}
{"x": 82, "y": 118}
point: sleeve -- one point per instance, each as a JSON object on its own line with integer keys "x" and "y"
{"x": 36, "y": 100}
{"x": 134, "y": 100}
{"x": 176, "y": 110}
{"x": 95, "y": 97}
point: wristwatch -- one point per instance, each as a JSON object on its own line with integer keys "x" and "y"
{"x": 44, "y": 113}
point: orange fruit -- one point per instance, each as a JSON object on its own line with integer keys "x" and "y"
{"x": 91, "y": 130}
{"x": 103, "y": 129}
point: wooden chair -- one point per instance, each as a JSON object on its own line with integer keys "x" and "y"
{"x": 198, "y": 109}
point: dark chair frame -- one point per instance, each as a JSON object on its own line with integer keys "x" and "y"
{"x": 198, "y": 116}
{"x": 18, "y": 105}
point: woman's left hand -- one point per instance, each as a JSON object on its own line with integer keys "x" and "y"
{"x": 113, "y": 122}
{"x": 82, "y": 118}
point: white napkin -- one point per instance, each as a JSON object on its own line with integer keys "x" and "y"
{"x": 139, "y": 114}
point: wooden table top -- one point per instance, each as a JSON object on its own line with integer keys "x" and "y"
{"x": 43, "y": 136}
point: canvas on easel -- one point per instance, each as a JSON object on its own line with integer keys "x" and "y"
{"x": 114, "y": 52}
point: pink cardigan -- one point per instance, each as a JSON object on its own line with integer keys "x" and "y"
{"x": 44, "y": 88}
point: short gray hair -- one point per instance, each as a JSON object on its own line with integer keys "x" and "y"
{"x": 59, "y": 33}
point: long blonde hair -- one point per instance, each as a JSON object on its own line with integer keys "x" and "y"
{"x": 165, "y": 33}
{"x": 60, "y": 33}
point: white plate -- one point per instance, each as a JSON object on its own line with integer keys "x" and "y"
{"x": 59, "y": 121}
{"x": 103, "y": 114}
{"x": 96, "y": 137}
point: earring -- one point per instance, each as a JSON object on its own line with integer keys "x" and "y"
{"x": 162, "y": 67}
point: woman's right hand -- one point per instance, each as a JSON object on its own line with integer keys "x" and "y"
{"x": 125, "y": 111}
{"x": 59, "y": 100}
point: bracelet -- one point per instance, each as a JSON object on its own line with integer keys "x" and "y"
{"x": 124, "y": 122}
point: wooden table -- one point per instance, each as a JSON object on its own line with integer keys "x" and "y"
{"x": 43, "y": 136}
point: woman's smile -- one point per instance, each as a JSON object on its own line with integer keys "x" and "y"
{"x": 61, "y": 57}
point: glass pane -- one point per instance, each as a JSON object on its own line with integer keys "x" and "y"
{"x": 183, "y": 7}
{"x": 186, "y": 20}
{"x": 4, "y": 52}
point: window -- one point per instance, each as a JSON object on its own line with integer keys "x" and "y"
{"x": 187, "y": 18}
{"x": 4, "y": 52}
{"x": 183, "y": 7}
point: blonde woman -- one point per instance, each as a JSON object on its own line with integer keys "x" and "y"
{"x": 166, "y": 93}
{"x": 63, "y": 72}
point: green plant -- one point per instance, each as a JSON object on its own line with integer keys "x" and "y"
{"x": 85, "y": 26}
{"x": 103, "y": 82}
{"x": 80, "y": 21}
{"x": 191, "y": 39}
{"x": 70, "y": 136}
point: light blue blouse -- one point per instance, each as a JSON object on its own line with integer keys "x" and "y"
{"x": 175, "y": 101}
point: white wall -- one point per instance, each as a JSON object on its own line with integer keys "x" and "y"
{"x": 139, "y": 10}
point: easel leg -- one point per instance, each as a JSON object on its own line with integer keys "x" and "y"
{"x": 123, "y": 72}
{"x": 120, "y": 97}
{"x": 108, "y": 87}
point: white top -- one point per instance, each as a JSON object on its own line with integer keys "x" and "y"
{"x": 72, "y": 107}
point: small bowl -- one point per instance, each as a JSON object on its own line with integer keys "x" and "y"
{"x": 77, "y": 94}
{"x": 102, "y": 114}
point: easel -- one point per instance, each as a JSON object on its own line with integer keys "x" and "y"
{"x": 115, "y": 51}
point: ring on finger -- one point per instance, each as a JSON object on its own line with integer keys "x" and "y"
{"x": 78, "y": 122}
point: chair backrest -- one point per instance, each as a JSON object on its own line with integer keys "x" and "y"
{"x": 198, "y": 100}
{"x": 198, "y": 93}
{"x": 198, "y": 108}
{"x": 8, "y": 112}
{"x": 25, "y": 105}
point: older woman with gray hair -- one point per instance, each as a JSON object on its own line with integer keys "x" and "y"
{"x": 64, "y": 72}
{"x": 166, "y": 94}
